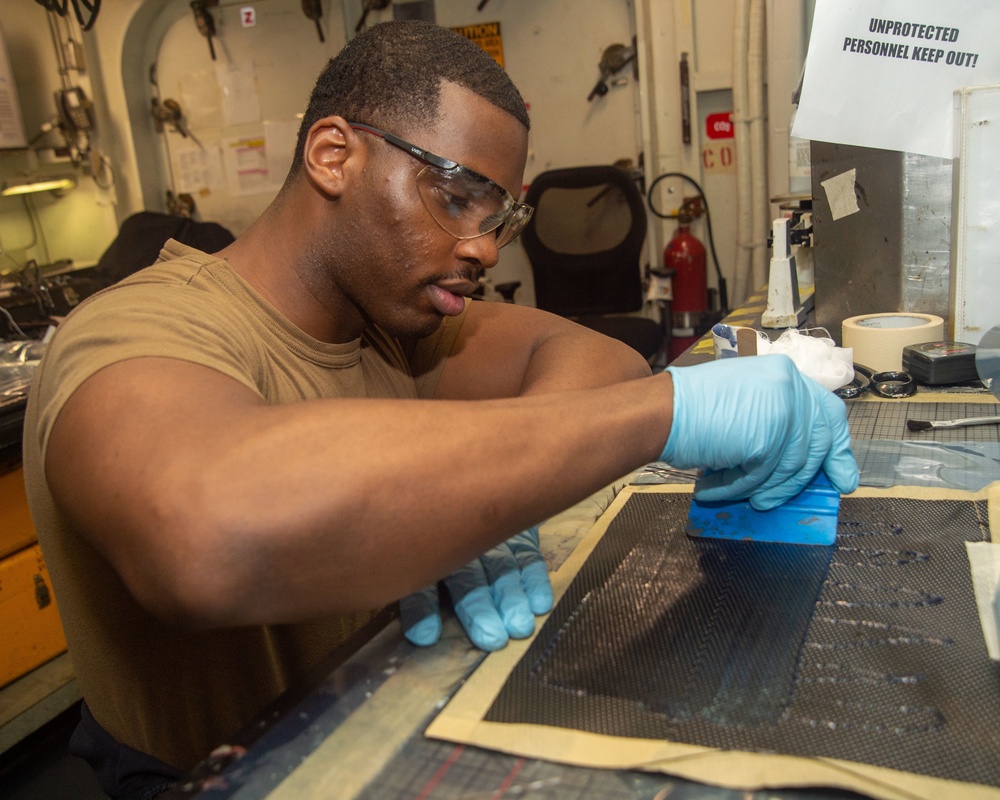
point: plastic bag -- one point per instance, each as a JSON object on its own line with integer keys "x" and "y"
{"x": 817, "y": 357}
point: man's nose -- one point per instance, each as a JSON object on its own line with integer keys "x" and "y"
{"x": 481, "y": 249}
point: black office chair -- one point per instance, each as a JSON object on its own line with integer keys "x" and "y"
{"x": 584, "y": 243}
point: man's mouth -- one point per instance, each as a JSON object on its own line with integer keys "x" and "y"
{"x": 448, "y": 295}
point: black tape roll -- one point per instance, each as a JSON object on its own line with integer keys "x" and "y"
{"x": 858, "y": 386}
{"x": 893, "y": 385}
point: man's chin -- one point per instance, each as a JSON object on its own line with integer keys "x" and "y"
{"x": 415, "y": 328}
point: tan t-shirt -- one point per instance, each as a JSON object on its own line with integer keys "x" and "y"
{"x": 171, "y": 693}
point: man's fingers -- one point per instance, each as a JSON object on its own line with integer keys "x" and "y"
{"x": 840, "y": 464}
{"x": 538, "y": 587}
{"x": 474, "y": 606}
{"x": 534, "y": 571}
{"x": 512, "y": 604}
{"x": 420, "y": 616}
{"x": 479, "y": 616}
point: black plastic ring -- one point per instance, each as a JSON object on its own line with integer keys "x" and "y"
{"x": 858, "y": 386}
{"x": 893, "y": 384}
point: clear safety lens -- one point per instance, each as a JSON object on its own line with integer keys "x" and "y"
{"x": 467, "y": 205}
{"x": 513, "y": 224}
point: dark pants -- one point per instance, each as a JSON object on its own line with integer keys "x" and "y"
{"x": 123, "y": 772}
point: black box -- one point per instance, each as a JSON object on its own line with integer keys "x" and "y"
{"x": 934, "y": 363}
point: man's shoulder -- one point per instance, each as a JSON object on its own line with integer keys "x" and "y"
{"x": 178, "y": 264}
{"x": 180, "y": 272}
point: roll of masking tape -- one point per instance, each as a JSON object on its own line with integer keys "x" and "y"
{"x": 878, "y": 339}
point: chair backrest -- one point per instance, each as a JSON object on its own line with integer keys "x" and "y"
{"x": 585, "y": 240}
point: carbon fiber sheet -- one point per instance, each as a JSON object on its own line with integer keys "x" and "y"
{"x": 867, "y": 651}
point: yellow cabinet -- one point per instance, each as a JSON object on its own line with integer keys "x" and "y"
{"x": 29, "y": 620}
{"x": 16, "y": 530}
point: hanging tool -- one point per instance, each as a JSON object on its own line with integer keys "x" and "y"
{"x": 86, "y": 10}
{"x": 685, "y": 100}
{"x": 181, "y": 205}
{"x": 370, "y": 5}
{"x": 613, "y": 60}
{"x": 203, "y": 19}
{"x": 313, "y": 9}
{"x": 170, "y": 112}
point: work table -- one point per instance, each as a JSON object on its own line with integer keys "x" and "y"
{"x": 355, "y": 730}
{"x": 356, "y": 733}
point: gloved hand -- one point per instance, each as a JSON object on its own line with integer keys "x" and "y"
{"x": 495, "y": 597}
{"x": 764, "y": 427}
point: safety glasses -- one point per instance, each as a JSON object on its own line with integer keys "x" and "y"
{"x": 460, "y": 200}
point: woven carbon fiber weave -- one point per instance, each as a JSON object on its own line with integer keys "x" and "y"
{"x": 867, "y": 651}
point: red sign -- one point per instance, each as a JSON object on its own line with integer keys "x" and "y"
{"x": 719, "y": 126}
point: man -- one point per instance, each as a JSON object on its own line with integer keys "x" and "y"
{"x": 233, "y": 459}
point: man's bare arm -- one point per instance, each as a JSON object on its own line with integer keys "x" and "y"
{"x": 506, "y": 350}
{"x": 217, "y": 509}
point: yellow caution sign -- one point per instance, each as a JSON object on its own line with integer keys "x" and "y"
{"x": 486, "y": 35}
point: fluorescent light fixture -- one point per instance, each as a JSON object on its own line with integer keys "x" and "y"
{"x": 56, "y": 183}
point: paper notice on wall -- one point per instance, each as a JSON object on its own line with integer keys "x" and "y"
{"x": 245, "y": 159}
{"x": 197, "y": 170}
{"x": 201, "y": 99}
{"x": 841, "y": 194}
{"x": 240, "y": 98}
{"x": 882, "y": 73}
{"x": 280, "y": 137}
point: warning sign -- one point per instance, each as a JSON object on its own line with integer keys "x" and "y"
{"x": 719, "y": 126}
{"x": 487, "y": 36}
{"x": 718, "y": 158}
{"x": 883, "y": 73}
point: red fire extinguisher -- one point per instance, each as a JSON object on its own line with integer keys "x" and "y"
{"x": 685, "y": 256}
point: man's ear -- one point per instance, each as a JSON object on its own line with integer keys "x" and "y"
{"x": 329, "y": 149}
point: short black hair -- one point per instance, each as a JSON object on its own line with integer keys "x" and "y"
{"x": 390, "y": 76}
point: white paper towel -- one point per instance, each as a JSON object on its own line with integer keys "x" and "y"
{"x": 984, "y": 561}
{"x": 878, "y": 339}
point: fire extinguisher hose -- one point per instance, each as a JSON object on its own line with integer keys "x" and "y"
{"x": 723, "y": 293}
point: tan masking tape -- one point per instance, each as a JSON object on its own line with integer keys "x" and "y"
{"x": 878, "y": 339}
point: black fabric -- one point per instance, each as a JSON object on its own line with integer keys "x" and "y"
{"x": 123, "y": 772}
{"x": 12, "y": 421}
{"x": 143, "y": 234}
{"x": 868, "y": 651}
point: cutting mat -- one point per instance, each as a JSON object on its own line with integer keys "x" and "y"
{"x": 887, "y": 420}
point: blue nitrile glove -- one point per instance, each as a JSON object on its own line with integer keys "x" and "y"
{"x": 764, "y": 427}
{"x": 495, "y": 596}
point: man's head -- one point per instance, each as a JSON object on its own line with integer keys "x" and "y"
{"x": 390, "y": 76}
{"x": 410, "y": 159}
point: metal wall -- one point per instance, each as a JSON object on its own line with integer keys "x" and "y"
{"x": 892, "y": 254}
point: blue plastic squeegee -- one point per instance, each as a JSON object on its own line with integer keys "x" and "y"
{"x": 808, "y": 518}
